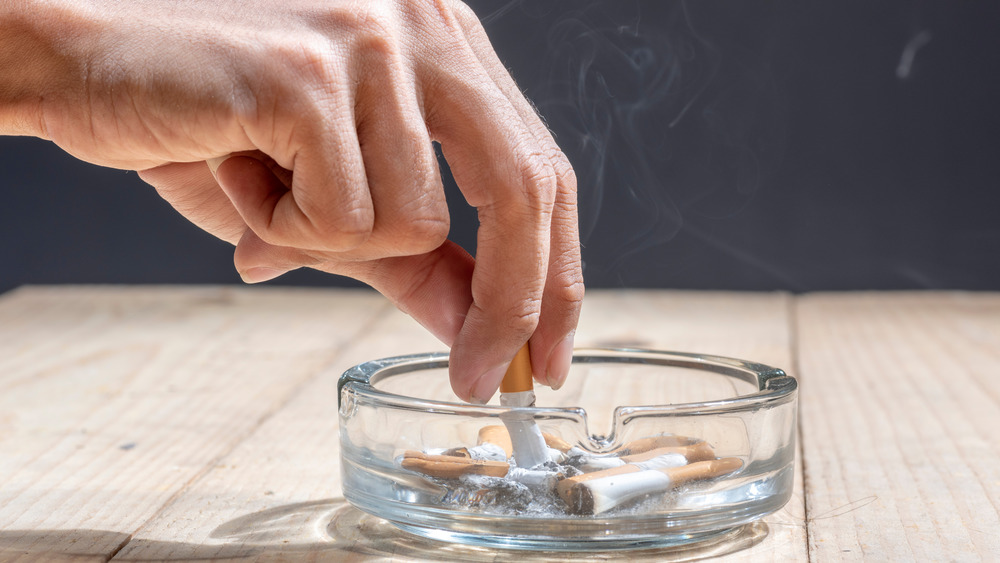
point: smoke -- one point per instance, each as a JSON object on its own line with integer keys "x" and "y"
{"x": 666, "y": 123}
{"x": 909, "y": 53}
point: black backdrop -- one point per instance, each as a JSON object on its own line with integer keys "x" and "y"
{"x": 719, "y": 144}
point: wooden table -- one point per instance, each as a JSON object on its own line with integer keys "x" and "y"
{"x": 179, "y": 423}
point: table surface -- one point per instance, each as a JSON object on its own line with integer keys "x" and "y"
{"x": 199, "y": 423}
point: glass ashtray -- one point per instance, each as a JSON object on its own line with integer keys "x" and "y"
{"x": 647, "y": 449}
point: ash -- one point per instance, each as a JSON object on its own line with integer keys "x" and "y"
{"x": 505, "y": 496}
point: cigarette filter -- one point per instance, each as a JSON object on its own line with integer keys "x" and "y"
{"x": 654, "y": 442}
{"x": 600, "y": 491}
{"x": 450, "y": 467}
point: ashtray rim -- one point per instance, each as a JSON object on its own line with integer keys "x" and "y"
{"x": 774, "y": 385}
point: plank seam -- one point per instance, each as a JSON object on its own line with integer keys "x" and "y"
{"x": 794, "y": 341}
{"x": 121, "y": 546}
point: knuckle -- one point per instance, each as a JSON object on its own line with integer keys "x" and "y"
{"x": 430, "y": 233}
{"x": 422, "y": 235}
{"x": 539, "y": 180}
{"x": 348, "y": 229}
{"x": 339, "y": 230}
{"x": 309, "y": 58}
{"x": 568, "y": 289}
{"x": 452, "y": 13}
{"x": 377, "y": 34}
{"x": 464, "y": 15}
{"x": 565, "y": 173}
{"x": 522, "y": 316}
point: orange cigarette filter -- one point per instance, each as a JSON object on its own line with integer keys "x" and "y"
{"x": 518, "y": 376}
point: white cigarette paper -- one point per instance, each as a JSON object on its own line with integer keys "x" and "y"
{"x": 594, "y": 493}
{"x": 487, "y": 451}
{"x": 525, "y": 436}
{"x": 609, "y": 492}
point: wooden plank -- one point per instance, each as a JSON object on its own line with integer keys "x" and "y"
{"x": 276, "y": 497}
{"x": 900, "y": 416}
{"x": 115, "y": 399}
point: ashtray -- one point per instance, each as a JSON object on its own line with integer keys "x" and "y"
{"x": 648, "y": 449}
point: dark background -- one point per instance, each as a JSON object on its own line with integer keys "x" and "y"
{"x": 719, "y": 145}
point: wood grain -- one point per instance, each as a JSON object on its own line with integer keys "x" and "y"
{"x": 116, "y": 399}
{"x": 275, "y": 497}
{"x": 901, "y": 431}
{"x": 200, "y": 423}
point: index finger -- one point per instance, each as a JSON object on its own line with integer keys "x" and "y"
{"x": 552, "y": 341}
{"x": 505, "y": 174}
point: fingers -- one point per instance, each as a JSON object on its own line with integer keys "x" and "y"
{"x": 411, "y": 214}
{"x": 328, "y": 205}
{"x": 552, "y": 342}
{"x": 433, "y": 288}
{"x": 192, "y": 190}
{"x": 503, "y": 172}
{"x": 562, "y": 294}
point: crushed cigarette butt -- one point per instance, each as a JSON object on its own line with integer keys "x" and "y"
{"x": 486, "y": 476}
{"x": 449, "y": 467}
{"x": 600, "y": 491}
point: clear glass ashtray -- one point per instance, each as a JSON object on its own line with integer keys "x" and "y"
{"x": 647, "y": 449}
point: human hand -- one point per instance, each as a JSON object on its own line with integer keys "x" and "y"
{"x": 331, "y": 108}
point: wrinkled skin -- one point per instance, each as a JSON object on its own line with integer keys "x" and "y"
{"x": 301, "y": 131}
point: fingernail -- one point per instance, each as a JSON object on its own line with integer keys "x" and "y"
{"x": 560, "y": 361}
{"x": 260, "y": 274}
{"x": 215, "y": 163}
{"x": 486, "y": 386}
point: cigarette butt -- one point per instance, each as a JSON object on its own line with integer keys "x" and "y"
{"x": 488, "y": 451}
{"x": 451, "y": 467}
{"x": 660, "y": 457}
{"x": 553, "y": 441}
{"x": 597, "y": 492}
{"x": 704, "y": 470}
{"x": 701, "y": 451}
{"x": 646, "y": 444}
{"x": 457, "y": 452}
{"x": 610, "y": 472}
{"x": 496, "y": 435}
{"x": 697, "y": 452}
{"x": 535, "y": 477}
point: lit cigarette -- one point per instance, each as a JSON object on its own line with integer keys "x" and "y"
{"x": 451, "y": 467}
{"x": 517, "y": 390}
{"x": 600, "y": 491}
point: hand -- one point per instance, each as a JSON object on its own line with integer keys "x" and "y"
{"x": 330, "y": 109}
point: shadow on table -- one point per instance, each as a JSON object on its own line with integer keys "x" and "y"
{"x": 318, "y": 531}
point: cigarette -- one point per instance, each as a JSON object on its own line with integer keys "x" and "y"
{"x": 653, "y": 459}
{"x": 451, "y": 467}
{"x": 556, "y": 443}
{"x": 655, "y": 442}
{"x": 547, "y": 479}
{"x": 600, "y": 491}
{"x": 496, "y": 436}
{"x": 517, "y": 390}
